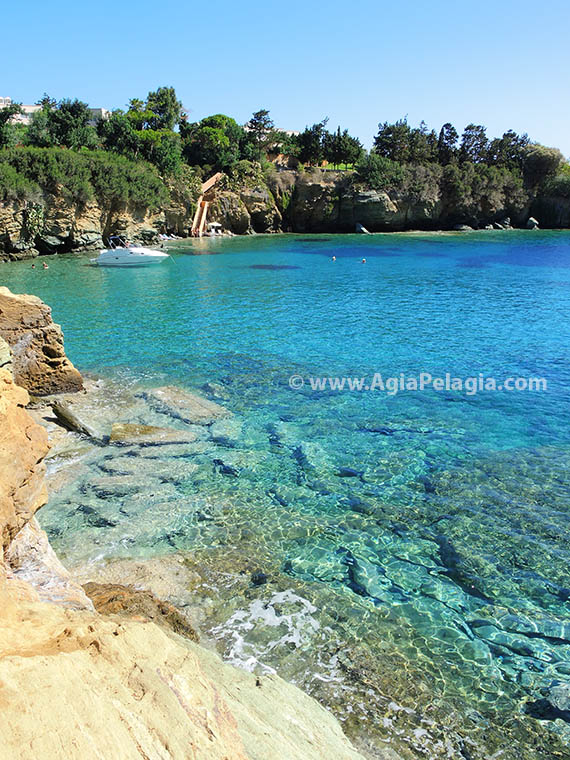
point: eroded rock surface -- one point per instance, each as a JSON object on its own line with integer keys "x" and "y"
{"x": 36, "y": 342}
{"x": 127, "y": 434}
{"x": 185, "y": 406}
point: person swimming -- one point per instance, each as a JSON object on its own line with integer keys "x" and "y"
{"x": 33, "y": 266}
{"x": 334, "y": 258}
{"x": 364, "y": 261}
{"x": 45, "y": 266}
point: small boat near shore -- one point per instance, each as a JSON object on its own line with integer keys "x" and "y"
{"x": 122, "y": 254}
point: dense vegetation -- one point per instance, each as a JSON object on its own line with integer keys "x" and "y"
{"x": 150, "y": 151}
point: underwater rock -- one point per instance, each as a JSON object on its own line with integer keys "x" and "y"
{"x": 227, "y": 431}
{"x": 70, "y": 416}
{"x": 227, "y": 469}
{"x": 185, "y": 406}
{"x": 258, "y": 578}
{"x": 217, "y": 390}
{"x": 128, "y": 434}
{"x": 312, "y": 457}
{"x": 113, "y": 486}
{"x": 559, "y": 696}
{"x": 348, "y": 472}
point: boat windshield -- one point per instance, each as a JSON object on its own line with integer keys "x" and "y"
{"x": 117, "y": 242}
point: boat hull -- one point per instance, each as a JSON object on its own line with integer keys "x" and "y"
{"x": 130, "y": 257}
{"x": 139, "y": 262}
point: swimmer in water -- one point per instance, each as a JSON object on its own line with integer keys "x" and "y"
{"x": 45, "y": 266}
{"x": 334, "y": 258}
{"x": 364, "y": 261}
{"x": 33, "y": 266}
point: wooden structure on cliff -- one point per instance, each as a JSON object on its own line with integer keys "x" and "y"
{"x": 207, "y": 196}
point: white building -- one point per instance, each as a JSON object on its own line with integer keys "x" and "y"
{"x": 20, "y": 118}
{"x": 28, "y": 111}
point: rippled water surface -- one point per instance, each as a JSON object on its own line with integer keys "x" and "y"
{"x": 403, "y": 557}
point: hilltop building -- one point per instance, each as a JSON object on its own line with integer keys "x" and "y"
{"x": 29, "y": 110}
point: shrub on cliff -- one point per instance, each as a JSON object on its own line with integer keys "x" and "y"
{"x": 116, "y": 179}
{"x": 380, "y": 173}
{"x": 81, "y": 176}
{"x": 477, "y": 192}
{"x": 53, "y": 169}
{"x": 540, "y": 164}
{"x": 14, "y": 186}
{"x": 558, "y": 186}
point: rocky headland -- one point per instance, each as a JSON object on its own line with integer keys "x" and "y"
{"x": 107, "y": 670}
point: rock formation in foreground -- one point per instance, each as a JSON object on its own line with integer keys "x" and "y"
{"x": 76, "y": 684}
{"x": 36, "y": 342}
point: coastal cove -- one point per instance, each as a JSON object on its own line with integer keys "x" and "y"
{"x": 403, "y": 558}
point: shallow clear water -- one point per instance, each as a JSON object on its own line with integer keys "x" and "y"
{"x": 416, "y": 545}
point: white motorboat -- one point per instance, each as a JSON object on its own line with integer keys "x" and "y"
{"x": 123, "y": 254}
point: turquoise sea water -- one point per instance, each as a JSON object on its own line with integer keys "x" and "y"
{"x": 416, "y": 545}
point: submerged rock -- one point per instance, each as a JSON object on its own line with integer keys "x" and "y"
{"x": 127, "y": 434}
{"x": 70, "y": 416}
{"x": 559, "y": 697}
{"x": 227, "y": 431}
{"x": 185, "y": 406}
{"x": 217, "y": 390}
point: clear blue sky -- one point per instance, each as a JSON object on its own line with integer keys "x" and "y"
{"x": 504, "y": 64}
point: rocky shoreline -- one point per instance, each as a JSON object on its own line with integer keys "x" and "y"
{"x": 121, "y": 665}
{"x": 308, "y": 202}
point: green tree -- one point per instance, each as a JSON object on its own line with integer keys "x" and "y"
{"x": 118, "y": 134}
{"x": 540, "y": 164}
{"x": 138, "y": 115}
{"x": 217, "y": 141}
{"x": 262, "y": 130}
{"x": 46, "y": 102}
{"x": 474, "y": 144}
{"x": 393, "y": 141}
{"x": 165, "y": 108}
{"x": 160, "y": 147}
{"x": 341, "y": 148}
{"x": 286, "y": 144}
{"x": 508, "y": 151}
{"x": 68, "y": 124}
{"x": 422, "y": 145}
{"x": 6, "y": 129}
{"x": 447, "y": 144}
{"x": 379, "y": 172}
{"x": 311, "y": 143}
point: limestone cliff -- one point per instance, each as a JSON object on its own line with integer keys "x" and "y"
{"x": 327, "y": 201}
{"x": 28, "y": 566}
{"x": 312, "y": 200}
{"x": 57, "y": 225}
{"x": 77, "y": 684}
{"x": 36, "y": 342}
